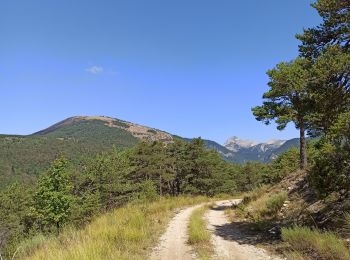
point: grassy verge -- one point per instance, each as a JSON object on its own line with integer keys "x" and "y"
{"x": 265, "y": 207}
{"x": 199, "y": 236}
{"x": 314, "y": 244}
{"x": 254, "y": 194}
{"x": 125, "y": 233}
{"x": 274, "y": 203}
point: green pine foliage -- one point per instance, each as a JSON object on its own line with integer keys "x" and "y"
{"x": 313, "y": 91}
{"x": 182, "y": 168}
{"x": 53, "y": 198}
{"x": 15, "y": 201}
{"x": 288, "y": 100}
{"x": 331, "y": 168}
{"x": 283, "y": 165}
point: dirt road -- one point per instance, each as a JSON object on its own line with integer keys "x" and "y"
{"x": 173, "y": 244}
{"x": 224, "y": 234}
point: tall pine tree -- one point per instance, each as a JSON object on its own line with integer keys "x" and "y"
{"x": 287, "y": 99}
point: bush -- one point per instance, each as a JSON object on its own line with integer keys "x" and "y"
{"x": 315, "y": 244}
{"x": 253, "y": 195}
{"x": 148, "y": 191}
{"x": 331, "y": 169}
{"x": 285, "y": 164}
{"x": 260, "y": 205}
{"x": 275, "y": 203}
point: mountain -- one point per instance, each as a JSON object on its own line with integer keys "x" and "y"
{"x": 241, "y": 151}
{"x": 225, "y": 153}
{"x": 237, "y": 150}
{"x": 112, "y": 129}
{"x": 235, "y": 144}
{"x": 24, "y": 157}
{"x": 79, "y": 137}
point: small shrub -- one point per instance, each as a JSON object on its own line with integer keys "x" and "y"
{"x": 275, "y": 203}
{"x": 330, "y": 170}
{"x": 285, "y": 164}
{"x": 315, "y": 244}
{"x": 253, "y": 195}
{"x": 331, "y": 167}
{"x": 152, "y": 131}
{"x": 263, "y": 207}
{"x": 148, "y": 192}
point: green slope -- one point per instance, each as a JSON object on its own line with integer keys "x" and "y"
{"x": 24, "y": 157}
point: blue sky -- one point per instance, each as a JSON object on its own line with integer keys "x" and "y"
{"x": 190, "y": 67}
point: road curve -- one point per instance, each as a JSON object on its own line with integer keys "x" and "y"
{"x": 221, "y": 229}
{"x": 173, "y": 243}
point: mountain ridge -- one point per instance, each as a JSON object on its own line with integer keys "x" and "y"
{"x": 249, "y": 150}
{"x": 228, "y": 150}
{"x": 26, "y": 156}
{"x": 138, "y": 131}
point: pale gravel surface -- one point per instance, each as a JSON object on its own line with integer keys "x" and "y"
{"x": 173, "y": 244}
{"x": 229, "y": 248}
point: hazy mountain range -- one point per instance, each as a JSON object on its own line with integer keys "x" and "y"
{"x": 83, "y": 136}
{"x": 239, "y": 150}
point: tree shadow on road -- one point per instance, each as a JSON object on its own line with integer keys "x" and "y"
{"x": 246, "y": 232}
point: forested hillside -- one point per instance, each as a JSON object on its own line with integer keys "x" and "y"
{"x": 24, "y": 157}
{"x": 112, "y": 179}
{"x": 79, "y": 138}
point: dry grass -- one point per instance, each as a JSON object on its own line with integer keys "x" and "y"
{"x": 314, "y": 244}
{"x": 264, "y": 207}
{"x": 254, "y": 194}
{"x": 126, "y": 233}
{"x": 346, "y": 227}
{"x": 199, "y": 236}
{"x": 275, "y": 203}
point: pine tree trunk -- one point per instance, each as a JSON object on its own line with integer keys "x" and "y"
{"x": 58, "y": 227}
{"x": 178, "y": 188}
{"x": 160, "y": 185}
{"x": 303, "y": 155}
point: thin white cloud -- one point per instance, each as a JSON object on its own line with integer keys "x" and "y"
{"x": 95, "y": 70}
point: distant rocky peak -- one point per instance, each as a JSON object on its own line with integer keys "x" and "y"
{"x": 235, "y": 143}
